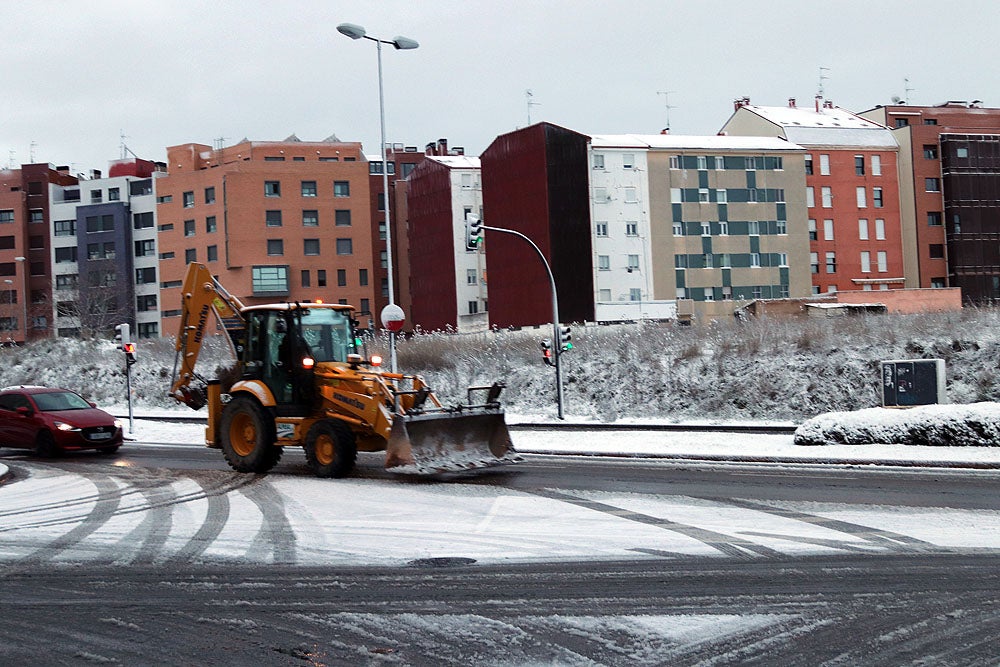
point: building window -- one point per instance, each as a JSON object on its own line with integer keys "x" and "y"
{"x": 601, "y": 195}
{"x": 145, "y": 276}
{"x": 702, "y": 162}
{"x": 270, "y": 279}
{"x": 212, "y": 253}
{"x": 272, "y": 218}
{"x": 343, "y": 218}
{"x": 628, "y": 160}
{"x": 831, "y": 262}
{"x": 812, "y": 230}
{"x": 600, "y": 229}
{"x": 384, "y": 259}
{"x": 189, "y": 229}
{"x": 876, "y": 165}
{"x": 143, "y": 220}
{"x": 706, "y": 229}
{"x": 879, "y": 229}
{"x": 167, "y": 255}
{"x": 723, "y": 228}
{"x": 753, "y": 227}
{"x": 859, "y": 165}
{"x": 883, "y": 263}
{"x": 631, "y": 196}
{"x": 631, "y": 229}
{"x": 209, "y": 195}
{"x": 145, "y": 248}
{"x": 930, "y": 152}
{"x": 962, "y": 152}
{"x": 877, "y": 197}
{"x": 603, "y": 263}
{"x": 6, "y": 216}
{"x": 345, "y": 247}
{"x": 722, "y": 196}
{"x": 188, "y": 199}
{"x": 809, "y": 165}
{"x": 145, "y": 302}
{"x": 305, "y": 278}
{"x": 598, "y": 161}
{"x": 866, "y": 261}
{"x": 114, "y": 194}
{"x": 308, "y": 188}
{"x": 936, "y": 251}
{"x": 635, "y": 294}
{"x": 363, "y": 277}
{"x": 862, "y": 197}
{"x": 272, "y": 188}
{"x": 827, "y": 197}
{"x": 824, "y": 165}
{"x": 934, "y": 218}
{"x": 724, "y": 261}
{"x": 863, "y": 229}
{"x": 275, "y": 247}
{"x": 709, "y": 293}
{"x": 473, "y": 307}
{"x": 310, "y": 218}
{"x": 782, "y": 227}
{"x": 902, "y": 122}
{"x": 64, "y": 255}
{"x": 937, "y": 283}
{"x": 69, "y": 280}
{"x": 932, "y": 185}
{"x": 321, "y": 278}
{"x": 680, "y": 262}
{"x": 210, "y": 225}
{"x": 675, "y": 161}
{"x": 678, "y": 229}
{"x": 341, "y": 277}
{"x": 64, "y": 227}
{"x": 341, "y": 189}
{"x": 471, "y": 277}
{"x": 828, "y": 230}
{"x": 755, "y": 260}
{"x": 930, "y": 121}
{"x": 810, "y": 197}
{"x": 100, "y": 223}
{"x": 310, "y": 246}
{"x": 191, "y": 255}
{"x": 633, "y": 263}
{"x": 96, "y": 197}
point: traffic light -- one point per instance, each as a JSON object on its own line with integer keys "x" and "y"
{"x": 122, "y": 335}
{"x": 565, "y": 339}
{"x": 547, "y": 352}
{"x": 129, "y": 353}
{"x": 473, "y": 232}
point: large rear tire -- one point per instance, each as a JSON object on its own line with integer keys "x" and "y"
{"x": 248, "y": 436}
{"x": 45, "y": 445}
{"x": 331, "y": 449}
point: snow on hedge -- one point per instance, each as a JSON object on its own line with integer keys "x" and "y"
{"x": 972, "y": 425}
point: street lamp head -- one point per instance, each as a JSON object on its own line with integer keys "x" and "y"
{"x": 403, "y": 43}
{"x": 351, "y": 30}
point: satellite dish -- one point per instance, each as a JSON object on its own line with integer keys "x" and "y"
{"x": 895, "y": 99}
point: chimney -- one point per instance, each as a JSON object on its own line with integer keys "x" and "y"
{"x": 741, "y": 102}
{"x": 665, "y": 130}
{"x": 818, "y": 98}
{"x": 95, "y": 174}
{"x": 443, "y": 146}
{"x": 791, "y": 102}
{"x": 429, "y": 149}
{"x": 828, "y": 104}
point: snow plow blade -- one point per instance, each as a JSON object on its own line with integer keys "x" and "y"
{"x": 438, "y": 442}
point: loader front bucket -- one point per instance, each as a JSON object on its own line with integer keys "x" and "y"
{"x": 436, "y": 442}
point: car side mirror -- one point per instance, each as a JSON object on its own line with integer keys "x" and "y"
{"x": 27, "y": 412}
{"x": 92, "y": 404}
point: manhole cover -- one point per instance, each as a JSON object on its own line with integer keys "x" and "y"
{"x": 446, "y": 561}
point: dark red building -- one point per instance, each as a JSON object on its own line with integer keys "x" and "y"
{"x": 535, "y": 181}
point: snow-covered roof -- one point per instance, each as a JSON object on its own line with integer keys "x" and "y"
{"x": 834, "y": 136}
{"x": 681, "y": 142}
{"x": 456, "y": 161}
{"x": 828, "y": 126}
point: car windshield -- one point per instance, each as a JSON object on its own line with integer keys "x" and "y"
{"x": 59, "y": 400}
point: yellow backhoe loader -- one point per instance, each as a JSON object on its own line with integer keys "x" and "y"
{"x": 302, "y": 381}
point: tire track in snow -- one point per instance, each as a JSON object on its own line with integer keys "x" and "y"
{"x": 727, "y": 544}
{"x": 275, "y": 536}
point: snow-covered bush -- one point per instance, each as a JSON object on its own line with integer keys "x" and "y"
{"x": 976, "y": 425}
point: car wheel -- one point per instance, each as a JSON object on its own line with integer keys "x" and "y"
{"x": 331, "y": 449}
{"x": 248, "y": 435}
{"x": 45, "y": 445}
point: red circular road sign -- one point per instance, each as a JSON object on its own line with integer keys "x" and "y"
{"x": 393, "y": 317}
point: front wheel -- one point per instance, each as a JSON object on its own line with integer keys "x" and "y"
{"x": 331, "y": 449}
{"x": 247, "y": 435}
{"x": 45, "y": 445}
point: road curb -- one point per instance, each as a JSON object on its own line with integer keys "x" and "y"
{"x": 4, "y": 473}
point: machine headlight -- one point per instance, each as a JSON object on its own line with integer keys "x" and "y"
{"x": 119, "y": 424}
{"x": 63, "y": 426}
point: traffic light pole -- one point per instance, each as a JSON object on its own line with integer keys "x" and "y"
{"x": 555, "y": 315}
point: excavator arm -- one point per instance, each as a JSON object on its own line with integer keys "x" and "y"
{"x": 201, "y": 295}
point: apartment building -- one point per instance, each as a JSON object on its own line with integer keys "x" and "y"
{"x": 274, "y": 220}
{"x": 447, "y": 281}
{"x": 104, "y": 255}
{"x": 938, "y": 252}
{"x": 26, "y": 310}
{"x": 728, "y": 221}
{"x": 852, "y": 191}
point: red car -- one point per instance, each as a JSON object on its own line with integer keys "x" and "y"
{"x": 52, "y": 421}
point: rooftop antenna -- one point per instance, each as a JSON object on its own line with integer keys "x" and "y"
{"x": 220, "y": 143}
{"x": 31, "y": 153}
{"x": 823, "y": 77}
{"x": 528, "y": 95}
{"x": 11, "y": 159}
{"x": 125, "y": 149}
{"x": 907, "y": 90}
{"x": 666, "y": 103}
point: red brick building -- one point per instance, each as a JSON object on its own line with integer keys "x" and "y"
{"x": 852, "y": 191}
{"x": 930, "y": 237}
{"x": 275, "y": 221}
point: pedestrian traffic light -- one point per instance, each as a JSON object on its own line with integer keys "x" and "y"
{"x": 122, "y": 335}
{"x": 129, "y": 353}
{"x": 547, "y": 352}
{"x": 473, "y": 232}
{"x": 565, "y": 339}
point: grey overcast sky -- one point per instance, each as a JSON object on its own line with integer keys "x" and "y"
{"x": 76, "y": 74}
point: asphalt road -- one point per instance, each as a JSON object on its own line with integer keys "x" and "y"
{"x": 917, "y": 604}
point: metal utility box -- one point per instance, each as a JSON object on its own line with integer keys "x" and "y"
{"x": 912, "y": 382}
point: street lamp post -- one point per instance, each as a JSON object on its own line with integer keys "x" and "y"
{"x": 358, "y": 32}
